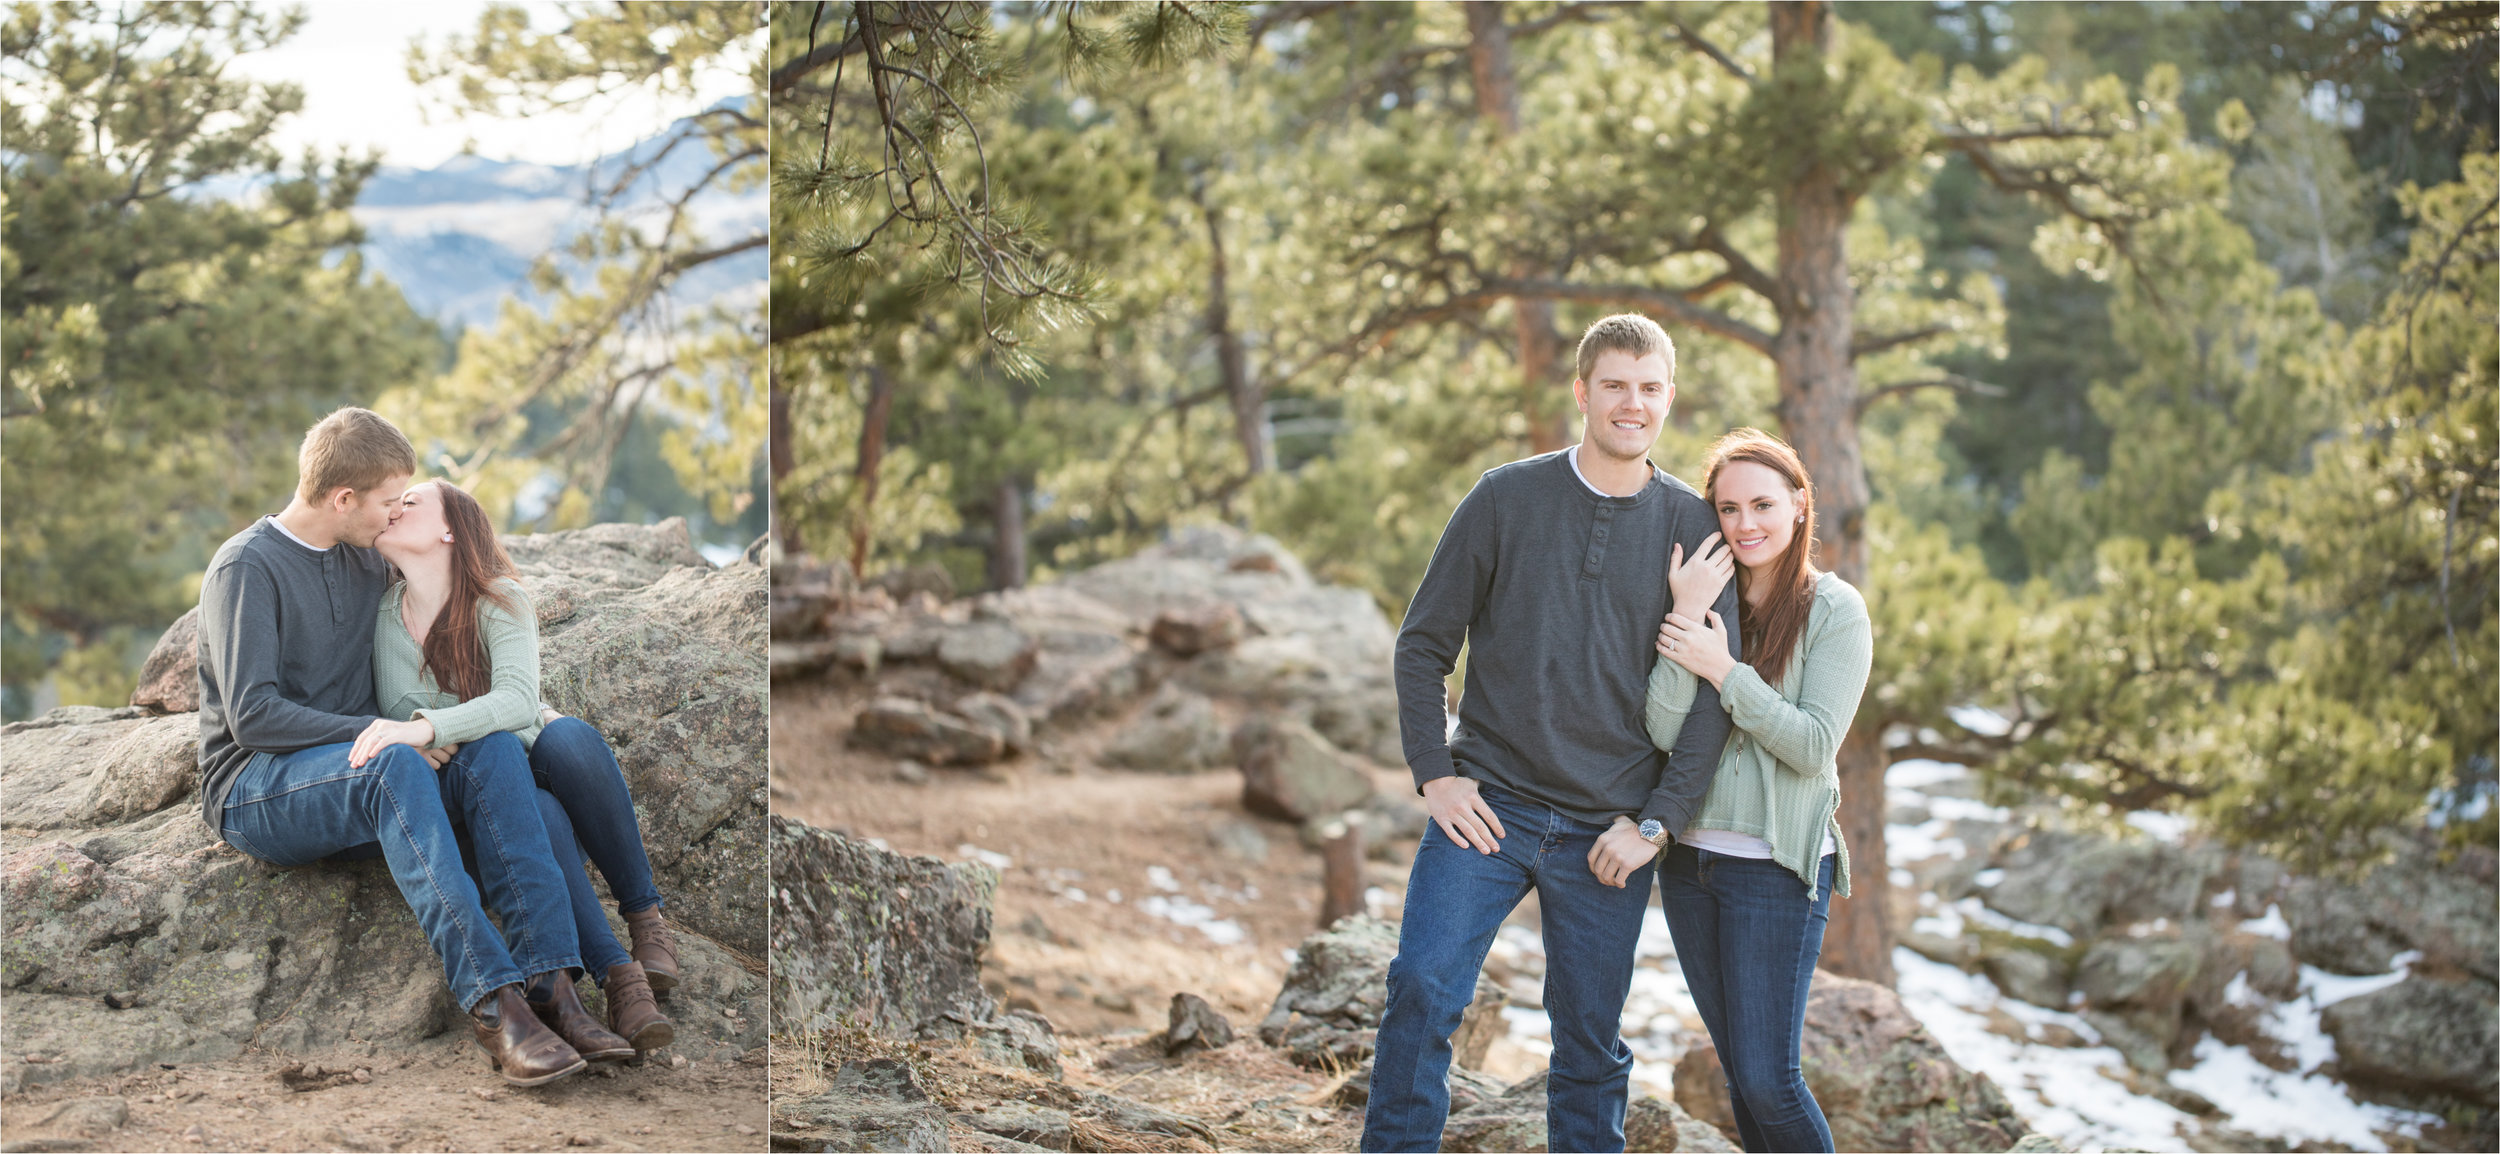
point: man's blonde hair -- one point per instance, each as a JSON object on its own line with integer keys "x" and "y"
{"x": 1625, "y": 333}
{"x": 351, "y": 449}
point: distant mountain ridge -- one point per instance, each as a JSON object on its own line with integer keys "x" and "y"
{"x": 459, "y": 238}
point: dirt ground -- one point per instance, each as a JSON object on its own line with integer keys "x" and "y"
{"x": 443, "y": 1096}
{"x": 1117, "y": 890}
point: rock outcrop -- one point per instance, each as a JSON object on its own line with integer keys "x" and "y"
{"x": 1328, "y": 1012}
{"x": 1883, "y": 1082}
{"x": 1209, "y": 613}
{"x": 132, "y": 934}
{"x": 878, "y": 939}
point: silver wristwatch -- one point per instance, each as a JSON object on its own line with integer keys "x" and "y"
{"x": 1654, "y": 832}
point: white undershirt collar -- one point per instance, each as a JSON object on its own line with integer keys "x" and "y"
{"x": 1574, "y": 453}
{"x": 290, "y": 534}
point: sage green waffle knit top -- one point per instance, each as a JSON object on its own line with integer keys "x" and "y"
{"x": 1779, "y": 777}
{"x": 405, "y": 691}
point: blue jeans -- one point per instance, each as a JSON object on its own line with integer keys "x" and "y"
{"x": 295, "y": 808}
{"x": 1748, "y": 940}
{"x": 1456, "y": 899}
{"x": 589, "y": 813}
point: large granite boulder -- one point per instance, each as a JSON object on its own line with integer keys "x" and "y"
{"x": 876, "y": 1105}
{"x": 1885, "y": 1084}
{"x": 131, "y": 934}
{"x": 1289, "y": 771}
{"x": 2413, "y": 902}
{"x": 667, "y": 657}
{"x": 1176, "y": 732}
{"x": 169, "y": 681}
{"x": 2420, "y": 1035}
{"x": 1328, "y": 1012}
{"x": 889, "y": 942}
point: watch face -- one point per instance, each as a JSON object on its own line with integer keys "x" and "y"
{"x": 1651, "y": 829}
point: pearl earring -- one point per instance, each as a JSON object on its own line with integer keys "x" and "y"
{"x": 446, "y": 538}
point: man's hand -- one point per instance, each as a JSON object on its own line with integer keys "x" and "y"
{"x": 440, "y": 755}
{"x": 1463, "y": 814}
{"x": 1619, "y": 851}
{"x": 384, "y": 733}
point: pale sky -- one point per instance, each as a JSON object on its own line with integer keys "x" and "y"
{"x": 352, "y": 60}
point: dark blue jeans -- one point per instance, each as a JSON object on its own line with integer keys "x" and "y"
{"x": 295, "y": 808}
{"x": 589, "y": 813}
{"x": 1748, "y": 940}
{"x": 1456, "y": 899}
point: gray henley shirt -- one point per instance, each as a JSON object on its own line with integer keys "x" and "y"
{"x": 1557, "y": 592}
{"x": 286, "y": 652}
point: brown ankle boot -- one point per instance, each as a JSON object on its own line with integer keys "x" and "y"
{"x": 525, "y": 1051}
{"x": 564, "y": 1013}
{"x": 654, "y": 946}
{"x": 632, "y": 1011}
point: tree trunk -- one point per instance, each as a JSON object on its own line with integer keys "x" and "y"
{"x": 1818, "y": 415}
{"x": 1232, "y": 362}
{"x": 1007, "y": 542}
{"x": 778, "y": 438}
{"x": 871, "y": 455}
{"x": 1497, "y": 102}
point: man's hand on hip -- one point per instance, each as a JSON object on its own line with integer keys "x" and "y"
{"x": 1619, "y": 851}
{"x": 1455, "y": 803}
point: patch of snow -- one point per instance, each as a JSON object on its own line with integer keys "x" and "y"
{"x": 1071, "y": 894}
{"x": 1161, "y": 878}
{"x": 2270, "y": 926}
{"x": 1184, "y": 912}
{"x": 988, "y": 857}
{"x": 1291, "y": 956}
{"x": 2224, "y": 899}
{"x": 2296, "y": 1107}
{"x": 1987, "y": 877}
{"x": 2327, "y": 989}
{"x": 1967, "y": 809}
{"x": 2060, "y": 1091}
{"x": 1112, "y": 896}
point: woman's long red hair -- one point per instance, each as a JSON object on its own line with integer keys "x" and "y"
{"x": 1771, "y": 629}
{"x": 455, "y": 648}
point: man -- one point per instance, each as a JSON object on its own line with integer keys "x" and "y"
{"x": 287, "y": 612}
{"x": 1553, "y": 572}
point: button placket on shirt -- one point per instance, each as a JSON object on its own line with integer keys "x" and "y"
{"x": 1595, "y": 565}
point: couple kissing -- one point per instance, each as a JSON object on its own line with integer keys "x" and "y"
{"x": 369, "y": 688}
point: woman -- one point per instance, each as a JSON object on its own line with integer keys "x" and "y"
{"x": 1747, "y": 885}
{"x": 455, "y": 652}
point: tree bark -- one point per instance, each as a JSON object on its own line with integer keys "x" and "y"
{"x": 1247, "y": 396}
{"x": 1497, "y": 102}
{"x": 871, "y": 455}
{"x": 1007, "y": 541}
{"x": 1818, "y": 411}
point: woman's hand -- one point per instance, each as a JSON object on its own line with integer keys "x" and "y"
{"x": 1619, "y": 851}
{"x": 548, "y": 716}
{"x": 385, "y": 733}
{"x": 1697, "y": 583}
{"x": 1700, "y": 646}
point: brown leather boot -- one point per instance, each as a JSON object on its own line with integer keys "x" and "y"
{"x": 564, "y": 1013}
{"x": 632, "y": 1011}
{"x": 525, "y": 1051}
{"x": 654, "y": 946}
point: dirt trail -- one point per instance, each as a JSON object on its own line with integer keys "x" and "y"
{"x": 1120, "y": 890}
{"x": 443, "y": 1096}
